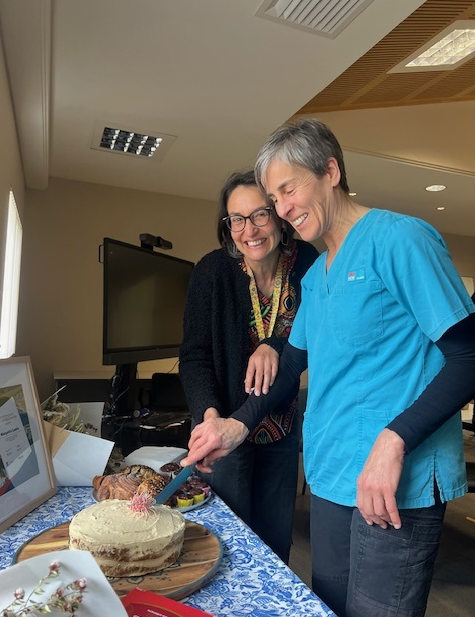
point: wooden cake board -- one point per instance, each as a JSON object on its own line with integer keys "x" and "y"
{"x": 198, "y": 562}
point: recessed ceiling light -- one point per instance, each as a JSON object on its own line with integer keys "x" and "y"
{"x": 141, "y": 144}
{"x": 126, "y": 141}
{"x": 352, "y": 194}
{"x": 448, "y": 50}
{"x": 435, "y": 187}
{"x": 440, "y": 207}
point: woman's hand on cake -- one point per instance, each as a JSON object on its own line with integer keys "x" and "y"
{"x": 213, "y": 439}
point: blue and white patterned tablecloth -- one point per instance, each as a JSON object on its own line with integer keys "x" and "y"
{"x": 251, "y": 580}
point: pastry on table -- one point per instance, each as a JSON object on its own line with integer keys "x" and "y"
{"x": 140, "y": 479}
{"x": 115, "y": 486}
{"x": 132, "y": 479}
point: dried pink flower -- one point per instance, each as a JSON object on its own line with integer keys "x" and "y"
{"x": 67, "y": 599}
{"x": 141, "y": 503}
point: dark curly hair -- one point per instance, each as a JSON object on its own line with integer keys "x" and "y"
{"x": 244, "y": 178}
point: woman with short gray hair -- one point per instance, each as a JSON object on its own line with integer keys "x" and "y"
{"x": 387, "y": 330}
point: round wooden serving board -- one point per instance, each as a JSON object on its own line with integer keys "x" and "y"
{"x": 199, "y": 560}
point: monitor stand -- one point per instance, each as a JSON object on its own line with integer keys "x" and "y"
{"x": 120, "y": 403}
{"x": 123, "y": 391}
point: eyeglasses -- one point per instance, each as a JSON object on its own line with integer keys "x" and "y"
{"x": 259, "y": 218}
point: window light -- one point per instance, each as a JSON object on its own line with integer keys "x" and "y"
{"x": 11, "y": 281}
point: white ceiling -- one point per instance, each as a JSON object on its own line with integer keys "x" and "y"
{"x": 220, "y": 79}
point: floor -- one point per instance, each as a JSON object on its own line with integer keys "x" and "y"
{"x": 453, "y": 587}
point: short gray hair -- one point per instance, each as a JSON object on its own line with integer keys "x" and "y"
{"x": 308, "y": 143}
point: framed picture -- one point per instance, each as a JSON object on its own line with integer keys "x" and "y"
{"x": 26, "y": 471}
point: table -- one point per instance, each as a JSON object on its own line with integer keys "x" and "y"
{"x": 251, "y": 581}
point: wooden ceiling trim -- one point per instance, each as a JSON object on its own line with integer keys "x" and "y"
{"x": 367, "y": 83}
{"x": 454, "y": 84}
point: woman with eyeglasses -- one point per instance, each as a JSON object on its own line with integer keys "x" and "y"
{"x": 241, "y": 304}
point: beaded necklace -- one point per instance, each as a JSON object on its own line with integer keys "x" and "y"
{"x": 275, "y": 301}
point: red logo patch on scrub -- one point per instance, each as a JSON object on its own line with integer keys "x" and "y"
{"x": 356, "y": 275}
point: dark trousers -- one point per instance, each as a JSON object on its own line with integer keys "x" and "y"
{"x": 362, "y": 570}
{"x": 259, "y": 483}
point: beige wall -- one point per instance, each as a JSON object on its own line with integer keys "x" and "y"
{"x": 11, "y": 173}
{"x": 60, "y": 317}
{"x": 462, "y": 249}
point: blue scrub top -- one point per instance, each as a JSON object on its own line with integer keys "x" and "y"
{"x": 369, "y": 327}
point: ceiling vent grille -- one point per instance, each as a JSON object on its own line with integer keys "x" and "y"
{"x": 324, "y": 17}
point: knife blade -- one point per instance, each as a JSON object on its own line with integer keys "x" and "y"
{"x": 173, "y": 486}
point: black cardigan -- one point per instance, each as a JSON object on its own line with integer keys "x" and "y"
{"x": 216, "y": 349}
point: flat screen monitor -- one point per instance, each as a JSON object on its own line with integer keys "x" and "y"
{"x": 144, "y": 300}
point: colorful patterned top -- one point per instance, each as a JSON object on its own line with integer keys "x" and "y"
{"x": 218, "y": 339}
{"x": 276, "y": 424}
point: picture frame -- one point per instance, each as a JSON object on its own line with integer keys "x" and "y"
{"x": 27, "y": 476}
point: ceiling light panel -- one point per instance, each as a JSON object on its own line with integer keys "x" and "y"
{"x": 448, "y": 50}
{"x": 126, "y": 141}
{"x": 451, "y": 49}
{"x": 324, "y": 17}
{"x": 138, "y": 143}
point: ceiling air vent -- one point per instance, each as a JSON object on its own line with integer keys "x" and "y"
{"x": 324, "y": 17}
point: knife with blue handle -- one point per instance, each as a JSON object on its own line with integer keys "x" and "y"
{"x": 173, "y": 486}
